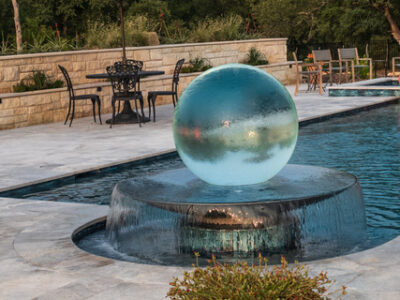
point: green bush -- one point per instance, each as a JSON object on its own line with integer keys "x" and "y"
{"x": 196, "y": 65}
{"x": 55, "y": 42}
{"x": 243, "y": 282}
{"x": 37, "y": 81}
{"x": 100, "y": 35}
{"x": 255, "y": 58}
{"x": 221, "y": 29}
{"x": 364, "y": 72}
{"x": 6, "y": 47}
{"x": 174, "y": 33}
{"x": 45, "y": 39}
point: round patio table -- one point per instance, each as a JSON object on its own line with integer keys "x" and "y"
{"x": 127, "y": 115}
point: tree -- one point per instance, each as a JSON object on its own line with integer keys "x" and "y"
{"x": 353, "y": 23}
{"x": 286, "y": 18}
{"x": 18, "y": 31}
{"x": 388, "y": 7}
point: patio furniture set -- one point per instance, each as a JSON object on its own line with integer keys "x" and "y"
{"x": 125, "y": 82}
{"x": 324, "y": 70}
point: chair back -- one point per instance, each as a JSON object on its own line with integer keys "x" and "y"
{"x": 129, "y": 65}
{"x": 322, "y": 55}
{"x": 136, "y": 63}
{"x": 348, "y": 54}
{"x": 69, "y": 82}
{"x": 123, "y": 79}
{"x": 175, "y": 79}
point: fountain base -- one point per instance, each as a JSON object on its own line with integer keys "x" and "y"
{"x": 305, "y": 209}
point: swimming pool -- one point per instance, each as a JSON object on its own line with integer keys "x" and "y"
{"x": 375, "y": 87}
{"x": 366, "y": 145}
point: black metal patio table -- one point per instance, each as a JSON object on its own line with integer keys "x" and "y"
{"x": 127, "y": 115}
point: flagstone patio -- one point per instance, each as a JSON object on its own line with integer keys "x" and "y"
{"x": 38, "y": 258}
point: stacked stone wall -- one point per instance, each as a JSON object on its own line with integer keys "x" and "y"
{"x": 24, "y": 109}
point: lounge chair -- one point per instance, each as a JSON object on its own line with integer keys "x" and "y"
{"x": 312, "y": 74}
{"x": 324, "y": 57}
{"x": 347, "y": 55}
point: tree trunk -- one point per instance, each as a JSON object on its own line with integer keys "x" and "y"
{"x": 393, "y": 26}
{"x": 18, "y": 31}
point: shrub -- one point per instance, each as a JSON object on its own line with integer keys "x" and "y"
{"x": 6, "y": 47}
{"x": 37, "y": 81}
{"x": 222, "y": 29}
{"x": 255, "y": 58}
{"x": 197, "y": 65}
{"x": 364, "y": 72}
{"x": 45, "y": 39}
{"x": 56, "y": 42}
{"x": 241, "y": 281}
{"x": 175, "y": 33}
{"x": 100, "y": 35}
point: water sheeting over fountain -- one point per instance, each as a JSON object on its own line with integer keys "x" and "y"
{"x": 303, "y": 211}
{"x": 235, "y": 127}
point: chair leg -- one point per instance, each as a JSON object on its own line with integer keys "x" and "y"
{"x": 94, "y": 109}
{"x": 69, "y": 110}
{"x": 153, "y": 102}
{"x": 137, "y": 114}
{"x": 174, "y": 99}
{"x": 113, "y": 113}
{"x": 98, "y": 107}
{"x": 149, "y": 104}
{"x": 141, "y": 104}
{"x": 73, "y": 113}
{"x": 296, "y": 91}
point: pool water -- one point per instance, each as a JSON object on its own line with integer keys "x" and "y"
{"x": 366, "y": 144}
{"x": 386, "y": 87}
{"x": 388, "y": 82}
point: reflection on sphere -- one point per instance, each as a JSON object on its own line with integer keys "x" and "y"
{"x": 235, "y": 125}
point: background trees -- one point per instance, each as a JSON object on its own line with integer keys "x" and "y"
{"x": 69, "y": 23}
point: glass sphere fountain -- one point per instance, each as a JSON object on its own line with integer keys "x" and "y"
{"x": 235, "y": 125}
{"x": 235, "y": 128}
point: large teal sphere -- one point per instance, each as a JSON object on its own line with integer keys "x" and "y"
{"x": 235, "y": 125}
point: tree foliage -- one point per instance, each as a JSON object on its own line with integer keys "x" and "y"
{"x": 302, "y": 21}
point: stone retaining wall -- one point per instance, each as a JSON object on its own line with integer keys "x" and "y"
{"x": 24, "y": 109}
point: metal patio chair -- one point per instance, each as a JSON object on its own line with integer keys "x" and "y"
{"x": 152, "y": 95}
{"x": 324, "y": 57}
{"x": 124, "y": 86}
{"x": 310, "y": 73}
{"x": 72, "y": 98}
{"x": 129, "y": 64}
{"x": 347, "y": 55}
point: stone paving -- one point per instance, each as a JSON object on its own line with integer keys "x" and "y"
{"x": 37, "y": 152}
{"x": 38, "y": 259}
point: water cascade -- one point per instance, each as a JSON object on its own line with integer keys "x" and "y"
{"x": 235, "y": 128}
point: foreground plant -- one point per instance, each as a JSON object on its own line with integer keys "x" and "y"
{"x": 241, "y": 281}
